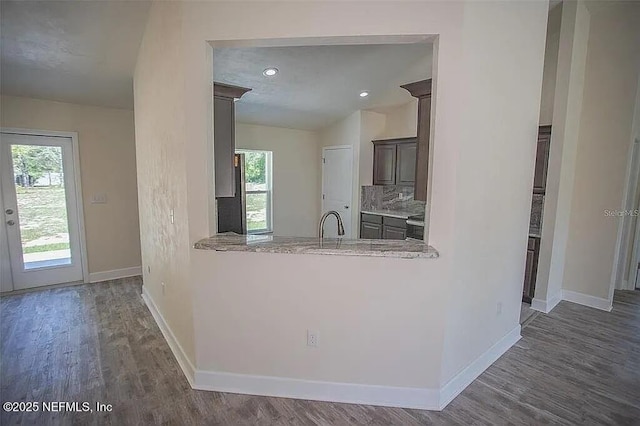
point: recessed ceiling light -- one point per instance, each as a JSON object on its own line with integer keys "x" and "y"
{"x": 270, "y": 72}
{"x": 364, "y": 94}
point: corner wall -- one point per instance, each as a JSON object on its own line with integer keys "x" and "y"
{"x": 161, "y": 145}
{"x": 597, "y": 79}
{"x": 475, "y": 238}
{"x": 493, "y": 166}
{"x": 572, "y": 54}
{"x": 611, "y": 79}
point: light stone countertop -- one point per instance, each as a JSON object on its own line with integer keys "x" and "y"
{"x": 400, "y": 214}
{"x": 312, "y": 245}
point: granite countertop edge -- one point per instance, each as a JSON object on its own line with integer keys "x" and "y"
{"x": 400, "y": 214}
{"x": 411, "y": 250}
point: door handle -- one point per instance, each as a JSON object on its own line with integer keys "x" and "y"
{"x": 11, "y": 222}
{"x": 8, "y": 211}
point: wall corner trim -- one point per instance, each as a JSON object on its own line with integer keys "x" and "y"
{"x": 546, "y": 306}
{"x": 587, "y": 300}
{"x": 96, "y": 277}
{"x": 464, "y": 378}
{"x": 183, "y": 360}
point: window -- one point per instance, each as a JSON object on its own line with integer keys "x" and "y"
{"x": 257, "y": 174}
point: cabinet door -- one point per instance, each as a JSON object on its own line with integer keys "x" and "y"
{"x": 542, "y": 160}
{"x": 406, "y": 164}
{"x": 224, "y": 146}
{"x": 370, "y": 231}
{"x": 384, "y": 164}
{"x": 393, "y": 233}
{"x": 530, "y": 270}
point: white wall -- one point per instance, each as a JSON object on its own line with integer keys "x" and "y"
{"x": 296, "y": 172}
{"x": 611, "y": 80}
{"x": 493, "y": 173}
{"x": 357, "y": 130}
{"x": 371, "y": 324}
{"x": 550, "y": 65}
{"x": 162, "y": 146}
{"x": 625, "y": 263}
{"x": 402, "y": 121}
{"x": 107, "y": 165}
{"x": 597, "y": 78}
{"x": 572, "y": 55}
{"x": 346, "y": 132}
{"x": 482, "y": 227}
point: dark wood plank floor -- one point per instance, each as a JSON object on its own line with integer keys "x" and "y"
{"x": 98, "y": 342}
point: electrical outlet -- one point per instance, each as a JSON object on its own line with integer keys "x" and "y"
{"x": 312, "y": 338}
{"x": 99, "y": 198}
{"x": 163, "y": 288}
{"x": 400, "y": 196}
{"x": 499, "y": 308}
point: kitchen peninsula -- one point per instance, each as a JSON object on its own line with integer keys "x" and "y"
{"x": 310, "y": 245}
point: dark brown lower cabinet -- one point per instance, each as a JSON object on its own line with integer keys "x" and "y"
{"x": 376, "y": 227}
{"x": 370, "y": 231}
{"x": 531, "y": 269}
{"x": 393, "y": 233}
{"x": 394, "y": 228}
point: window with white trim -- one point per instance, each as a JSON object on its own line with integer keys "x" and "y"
{"x": 258, "y": 188}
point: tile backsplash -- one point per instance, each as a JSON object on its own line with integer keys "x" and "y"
{"x": 386, "y": 197}
{"x": 535, "y": 222}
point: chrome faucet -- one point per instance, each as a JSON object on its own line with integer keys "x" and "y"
{"x": 324, "y": 218}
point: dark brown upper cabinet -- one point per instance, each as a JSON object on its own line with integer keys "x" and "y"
{"x": 422, "y": 91}
{"x": 224, "y": 130}
{"x": 394, "y": 161}
{"x": 406, "y": 163}
{"x": 542, "y": 160}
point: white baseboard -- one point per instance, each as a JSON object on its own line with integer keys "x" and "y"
{"x": 185, "y": 364}
{"x": 546, "y": 305}
{"x": 96, "y": 277}
{"x": 463, "y": 379}
{"x": 587, "y": 300}
{"x": 350, "y": 393}
{"x": 574, "y": 297}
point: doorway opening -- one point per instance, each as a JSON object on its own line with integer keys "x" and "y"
{"x": 337, "y": 191}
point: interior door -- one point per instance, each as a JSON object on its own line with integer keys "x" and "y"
{"x": 41, "y": 214}
{"x": 337, "y": 172}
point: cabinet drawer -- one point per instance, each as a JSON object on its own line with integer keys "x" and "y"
{"x": 370, "y": 231}
{"x": 393, "y": 233}
{"x": 371, "y": 218}
{"x": 395, "y": 222}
